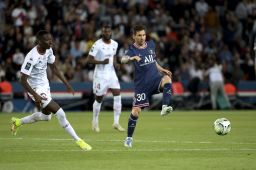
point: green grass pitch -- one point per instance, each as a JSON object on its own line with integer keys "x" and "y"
{"x": 183, "y": 140}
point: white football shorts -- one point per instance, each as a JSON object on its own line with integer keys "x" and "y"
{"x": 101, "y": 86}
{"x": 44, "y": 92}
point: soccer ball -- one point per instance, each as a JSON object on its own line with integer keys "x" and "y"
{"x": 222, "y": 126}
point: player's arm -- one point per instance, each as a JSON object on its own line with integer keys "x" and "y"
{"x": 117, "y": 62}
{"x": 164, "y": 71}
{"x": 91, "y": 60}
{"x": 57, "y": 72}
{"x": 28, "y": 88}
{"x": 127, "y": 59}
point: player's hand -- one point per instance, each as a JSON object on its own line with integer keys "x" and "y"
{"x": 70, "y": 89}
{"x": 106, "y": 61}
{"x": 167, "y": 72}
{"x": 135, "y": 58}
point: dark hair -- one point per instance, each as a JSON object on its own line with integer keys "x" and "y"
{"x": 40, "y": 34}
{"x": 138, "y": 28}
{"x": 106, "y": 26}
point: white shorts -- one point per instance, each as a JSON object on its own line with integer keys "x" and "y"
{"x": 101, "y": 86}
{"x": 44, "y": 92}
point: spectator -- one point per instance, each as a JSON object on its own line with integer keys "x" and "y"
{"x": 18, "y": 59}
{"x": 19, "y": 14}
{"x": 201, "y": 7}
{"x": 216, "y": 82}
{"x": 170, "y": 22}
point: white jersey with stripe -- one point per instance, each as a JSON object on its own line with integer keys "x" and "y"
{"x": 35, "y": 66}
{"x": 101, "y": 51}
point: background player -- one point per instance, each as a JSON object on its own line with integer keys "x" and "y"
{"x": 34, "y": 79}
{"x": 102, "y": 54}
{"x": 149, "y": 78}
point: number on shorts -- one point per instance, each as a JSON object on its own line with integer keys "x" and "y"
{"x": 141, "y": 96}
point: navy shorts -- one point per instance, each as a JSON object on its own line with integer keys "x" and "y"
{"x": 143, "y": 93}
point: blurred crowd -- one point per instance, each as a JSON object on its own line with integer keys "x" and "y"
{"x": 188, "y": 34}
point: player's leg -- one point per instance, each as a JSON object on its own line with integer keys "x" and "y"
{"x": 166, "y": 85}
{"x": 100, "y": 88}
{"x": 96, "y": 112}
{"x": 53, "y": 107}
{"x": 131, "y": 126}
{"x": 140, "y": 100}
{"x": 37, "y": 116}
{"x": 117, "y": 107}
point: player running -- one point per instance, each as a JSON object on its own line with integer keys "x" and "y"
{"x": 34, "y": 79}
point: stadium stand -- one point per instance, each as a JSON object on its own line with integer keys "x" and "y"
{"x": 187, "y": 33}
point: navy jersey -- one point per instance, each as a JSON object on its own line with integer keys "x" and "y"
{"x": 145, "y": 70}
{"x": 147, "y": 78}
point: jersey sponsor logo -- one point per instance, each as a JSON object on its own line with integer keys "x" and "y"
{"x": 148, "y": 60}
{"x": 28, "y": 65}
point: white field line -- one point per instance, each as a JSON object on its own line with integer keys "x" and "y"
{"x": 137, "y": 141}
{"x": 135, "y": 150}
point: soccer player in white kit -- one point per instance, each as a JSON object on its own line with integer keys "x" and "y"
{"x": 103, "y": 55}
{"x": 35, "y": 81}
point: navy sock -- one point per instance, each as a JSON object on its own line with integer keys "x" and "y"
{"x": 167, "y": 92}
{"x": 131, "y": 125}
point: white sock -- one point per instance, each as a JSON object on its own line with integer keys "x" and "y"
{"x": 37, "y": 116}
{"x": 96, "y": 112}
{"x": 61, "y": 116}
{"x": 117, "y": 109}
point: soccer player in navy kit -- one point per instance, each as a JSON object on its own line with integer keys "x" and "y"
{"x": 149, "y": 78}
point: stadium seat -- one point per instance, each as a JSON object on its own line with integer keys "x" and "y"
{"x": 231, "y": 92}
{"x": 177, "y": 94}
{"x": 230, "y": 89}
{"x": 177, "y": 88}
